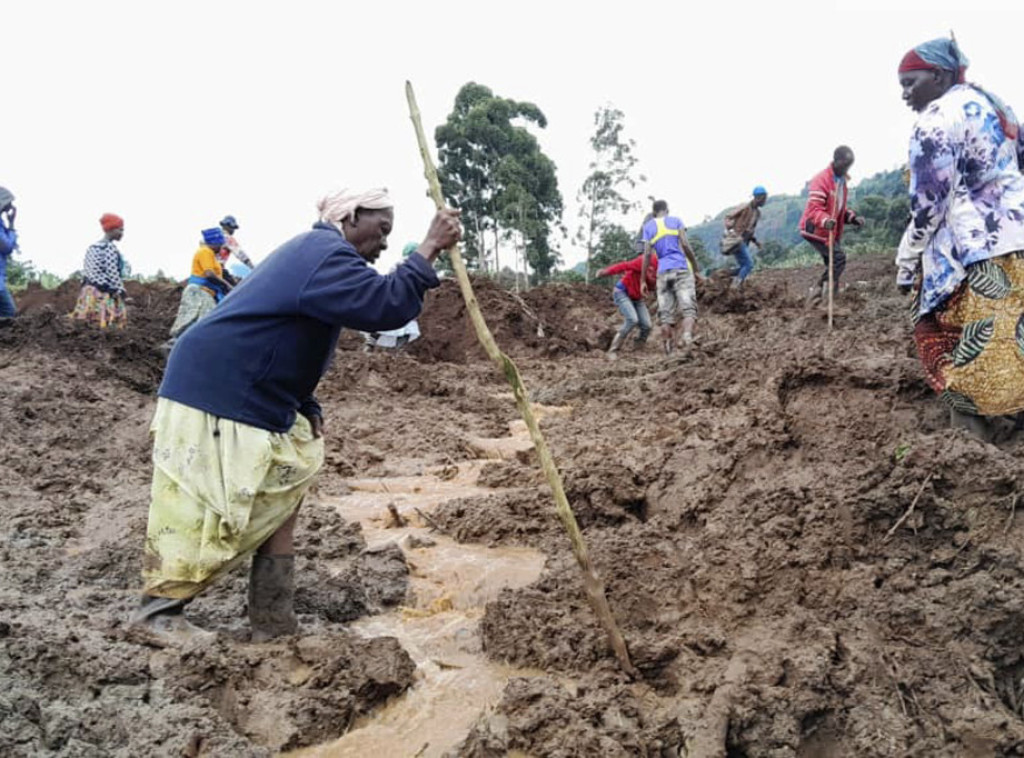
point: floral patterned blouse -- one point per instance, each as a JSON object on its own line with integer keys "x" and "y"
{"x": 966, "y": 192}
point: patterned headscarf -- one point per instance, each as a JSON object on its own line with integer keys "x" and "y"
{"x": 942, "y": 53}
{"x": 338, "y": 206}
{"x": 945, "y": 55}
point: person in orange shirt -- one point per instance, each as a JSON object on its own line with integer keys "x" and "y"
{"x": 205, "y": 287}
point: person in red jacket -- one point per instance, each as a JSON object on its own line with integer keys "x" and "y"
{"x": 630, "y": 300}
{"x": 826, "y": 213}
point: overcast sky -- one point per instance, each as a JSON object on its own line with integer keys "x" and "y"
{"x": 174, "y": 114}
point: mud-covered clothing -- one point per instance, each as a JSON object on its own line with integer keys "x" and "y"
{"x": 630, "y": 270}
{"x": 634, "y": 313}
{"x": 972, "y": 346}
{"x": 826, "y": 199}
{"x": 104, "y": 267}
{"x": 677, "y": 295}
{"x": 259, "y": 356}
{"x": 220, "y": 489}
{"x": 966, "y": 193}
{"x": 663, "y": 234}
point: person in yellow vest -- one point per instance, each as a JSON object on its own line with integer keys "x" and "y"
{"x": 677, "y": 276}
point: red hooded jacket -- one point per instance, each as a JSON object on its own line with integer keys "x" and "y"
{"x": 825, "y": 201}
{"x": 631, "y": 274}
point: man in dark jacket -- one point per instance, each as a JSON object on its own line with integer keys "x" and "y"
{"x": 237, "y": 429}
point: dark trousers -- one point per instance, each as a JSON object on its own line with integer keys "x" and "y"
{"x": 838, "y": 261}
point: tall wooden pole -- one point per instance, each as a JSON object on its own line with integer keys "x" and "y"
{"x": 592, "y": 583}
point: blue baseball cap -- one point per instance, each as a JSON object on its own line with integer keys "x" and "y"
{"x": 759, "y": 190}
{"x": 229, "y": 221}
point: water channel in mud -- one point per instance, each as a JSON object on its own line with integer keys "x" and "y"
{"x": 449, "y": 585}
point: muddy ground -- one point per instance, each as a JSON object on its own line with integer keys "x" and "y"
{"x": 803, "y": 559}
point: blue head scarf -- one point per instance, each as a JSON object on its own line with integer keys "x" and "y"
{"x": 213, "y": 237}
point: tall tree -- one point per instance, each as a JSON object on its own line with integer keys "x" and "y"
{"x": 602, "y": 198}
{"x": 492, "y": 167}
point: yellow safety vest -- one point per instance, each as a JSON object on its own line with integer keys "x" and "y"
{"x": 663, "y": 231}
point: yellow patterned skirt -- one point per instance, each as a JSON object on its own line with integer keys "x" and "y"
{"x": 220, "y": 489}
{"x": 101, "y": 308}
{"x": 973, "y": 347}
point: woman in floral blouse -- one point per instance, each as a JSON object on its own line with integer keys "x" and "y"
{"x": 963, "y": 250}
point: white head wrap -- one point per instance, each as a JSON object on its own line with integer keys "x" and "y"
{"x": 338, "y": 206}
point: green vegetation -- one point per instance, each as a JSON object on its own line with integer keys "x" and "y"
{"x": 881, "y": 199}
{"x": 21, "y": 273}
{"x": 492, "y": 167}
{"x": 601, "y": 197}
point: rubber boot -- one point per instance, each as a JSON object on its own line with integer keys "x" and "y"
{"x": 161, "y": 621}
{"x": 272, "y": 597}
{"x": 613, "y": 351}
{"x": 816, "y": 294}
{"x": 736, "y": 283}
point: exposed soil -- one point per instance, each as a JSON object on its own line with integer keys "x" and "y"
{"x": 803, "y": 559}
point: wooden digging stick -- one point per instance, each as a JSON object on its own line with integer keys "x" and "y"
{"x": 831, "y": 272}
{"x": 591, "y": 582}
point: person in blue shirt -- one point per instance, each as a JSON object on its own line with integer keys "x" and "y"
{"x": 8, "y": 244}
{"x": 677, "y": 275}
{"x": 237, "y": 429}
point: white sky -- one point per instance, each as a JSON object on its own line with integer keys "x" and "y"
{"x": 174, "y": 114}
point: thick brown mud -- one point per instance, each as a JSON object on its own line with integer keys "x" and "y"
{"x": 803, "y": 558}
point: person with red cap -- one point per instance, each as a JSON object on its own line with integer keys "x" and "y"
{"x": 101, "y": 299}
{"x": 963, "y": 250}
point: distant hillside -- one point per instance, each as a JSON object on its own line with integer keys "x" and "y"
{"x": 780, "y": 216}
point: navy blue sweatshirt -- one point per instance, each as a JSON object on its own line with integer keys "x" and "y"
{"x": 258, "y": 357}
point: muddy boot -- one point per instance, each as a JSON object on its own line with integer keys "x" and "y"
{"x": 980, "y": 426}
{"x": 816, "y": 294}
{"x": 736, "y": 283}
{"x": 613, "y": 351}
{"x": 161, "y": 621}
{"x": 272, "y": 596}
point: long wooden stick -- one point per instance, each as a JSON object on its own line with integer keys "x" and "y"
{"x": 591, "y": 582}
{"x": 831, "y": 272}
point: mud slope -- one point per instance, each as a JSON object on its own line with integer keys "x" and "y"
{"x": 804, "y": 560}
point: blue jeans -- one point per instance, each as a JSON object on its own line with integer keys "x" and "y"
{"x": 634, "y": 312}
{"x": 744, "y": 262}
{"x": 7, "y": 307}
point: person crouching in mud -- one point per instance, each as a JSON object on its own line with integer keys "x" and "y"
{"x": 237, "y": 429}
{"x": 627, "y": 296}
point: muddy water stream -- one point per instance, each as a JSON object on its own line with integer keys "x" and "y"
{"x": 439, "y": 628}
